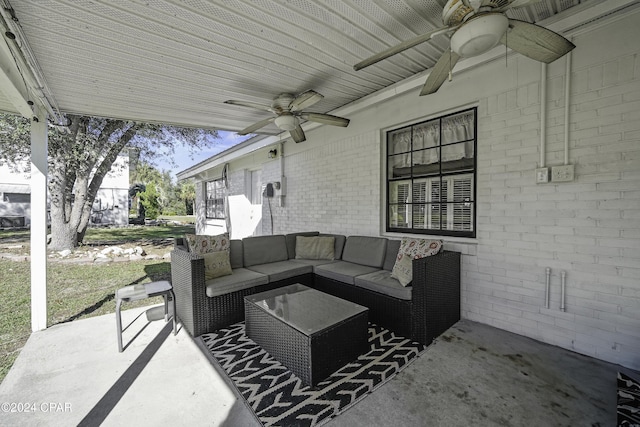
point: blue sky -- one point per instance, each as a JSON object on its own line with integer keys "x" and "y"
{"x": 185, "y": 159}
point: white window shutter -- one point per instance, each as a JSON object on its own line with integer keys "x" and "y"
{"x": 462, "y": 212}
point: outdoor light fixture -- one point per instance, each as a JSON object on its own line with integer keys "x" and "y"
{"x": 479, "y": 34}
{"x": 287, "y": 122}
{"x": 273, "y": 153}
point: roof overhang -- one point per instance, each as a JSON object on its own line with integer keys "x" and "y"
{"x": 571, "y": 23}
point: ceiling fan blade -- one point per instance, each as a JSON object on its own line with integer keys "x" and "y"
{"x": 440, "y": 72}
{"x": 249, "y": 104}
{"x": 298, "y": 134}
{"x": 326, "y": 119}
{"x": 304, "y": 100}
{"x": 399, "y": 48}
{"x": 519, "y": 3}
{"x": 536, "y": 42}
{"x": 254, "y": 127}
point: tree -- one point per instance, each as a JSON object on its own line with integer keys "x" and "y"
{"x": 150, "y": 200}
{"x": 81, "y": 154}
{"x": 134, "y": 198}
{"x": 145, "y": 173}
{"x": 167, "y": 193}
{"x": 188, "y": 195}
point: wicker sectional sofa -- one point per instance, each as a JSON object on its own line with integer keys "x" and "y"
{"x": 360, "y": 272}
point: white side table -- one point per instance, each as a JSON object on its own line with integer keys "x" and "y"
{"x": 142, "y": 291}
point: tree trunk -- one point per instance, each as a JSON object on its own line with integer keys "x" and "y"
{"x": 63, "y": 230}
{"x": 64, "y": 235}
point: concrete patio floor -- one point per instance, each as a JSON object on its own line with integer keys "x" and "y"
{"x": 474, "y": 374}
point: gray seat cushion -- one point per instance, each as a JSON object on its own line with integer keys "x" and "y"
{"x": 365, "y": 250}
{"x": 381, "y": 281}
{"x": 264, "y": 249}
{"x": 393, "y": 246}
{"x": 241, "y": 278}
{"x": 282, "y": 270}
{"x": 235, "y": 255}
{"x": 313, "y": 262}
{"x": 343, "y": 271}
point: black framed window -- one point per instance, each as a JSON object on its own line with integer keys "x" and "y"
{"x": 431, "y": 176}
{"x": 215, "y": 195}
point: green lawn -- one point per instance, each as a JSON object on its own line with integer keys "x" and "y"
{"x": 74, "y": 291}
{"x": 134, "y": 234}
{"x": 116, "y": 235}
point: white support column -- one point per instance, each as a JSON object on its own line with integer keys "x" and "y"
{"x": 39, "y": 150}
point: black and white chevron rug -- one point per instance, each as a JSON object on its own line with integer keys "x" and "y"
{"x": 278, "y": 398}
{"x": 628, "y": 399}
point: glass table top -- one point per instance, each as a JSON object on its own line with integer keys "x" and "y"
{"x": 305, "y": 309}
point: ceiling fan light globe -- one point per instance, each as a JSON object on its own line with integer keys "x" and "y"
{"x": 479, "y": 35}
{"x": 287, "y": 122}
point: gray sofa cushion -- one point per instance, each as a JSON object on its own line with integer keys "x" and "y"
{"x": 315, "y": 247}
{"x": 282, "y": 269}
{"x": 241, "y": 278}
{"x": 235, "y": 256}
{"x": 339, "y": 245}
{"x": 264, "y": 249}
{"x": 312, "y": 262}
{"x": 393, "y": 246}
{"x": 365, "y": 250}
{"x": 343, "y": 271}
{"x": 290, "y": 240}
{"x": 381, "y": 281}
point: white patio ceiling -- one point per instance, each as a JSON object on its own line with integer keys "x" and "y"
{"x": 176, "y": 61}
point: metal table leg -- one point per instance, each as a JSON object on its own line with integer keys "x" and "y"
{"x": 173, "y": 316}
{"x": 135, "y": 293}
{"x": 119, "y": 324}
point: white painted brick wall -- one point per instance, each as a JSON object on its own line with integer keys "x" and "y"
{"x": 333, "y": 188}
{"x": 582, "y": 227}
{"x": 590, "y": 228}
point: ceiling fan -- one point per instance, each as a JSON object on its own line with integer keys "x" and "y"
{"x": 287, "y": 109}
{"x": 478, "y": 26}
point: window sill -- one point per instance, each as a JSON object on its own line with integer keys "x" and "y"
{"x": 464, "y": 245}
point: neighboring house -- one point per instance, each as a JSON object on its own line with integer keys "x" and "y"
{"x": 15, "y": 198}
{"x": 461, "y": 165}
{"x": 111, "y": 206}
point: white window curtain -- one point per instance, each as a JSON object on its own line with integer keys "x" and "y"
{"x": 457, "y": 129}
{"x": 401, "y": 143}
{"x": 425, "y": 139}
{"x": 426, "y": 142}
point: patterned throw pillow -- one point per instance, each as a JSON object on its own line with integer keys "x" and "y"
{"x": 411, "y": 249}
{"x": 216, "y": 264}
{"x": 201, "y": 244}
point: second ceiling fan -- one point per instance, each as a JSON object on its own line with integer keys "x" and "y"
{"x": 478, "y": 26}
{"x": 287, "y": 110}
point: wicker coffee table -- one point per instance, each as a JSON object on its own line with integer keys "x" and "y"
{"x": 310, "y": 332}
